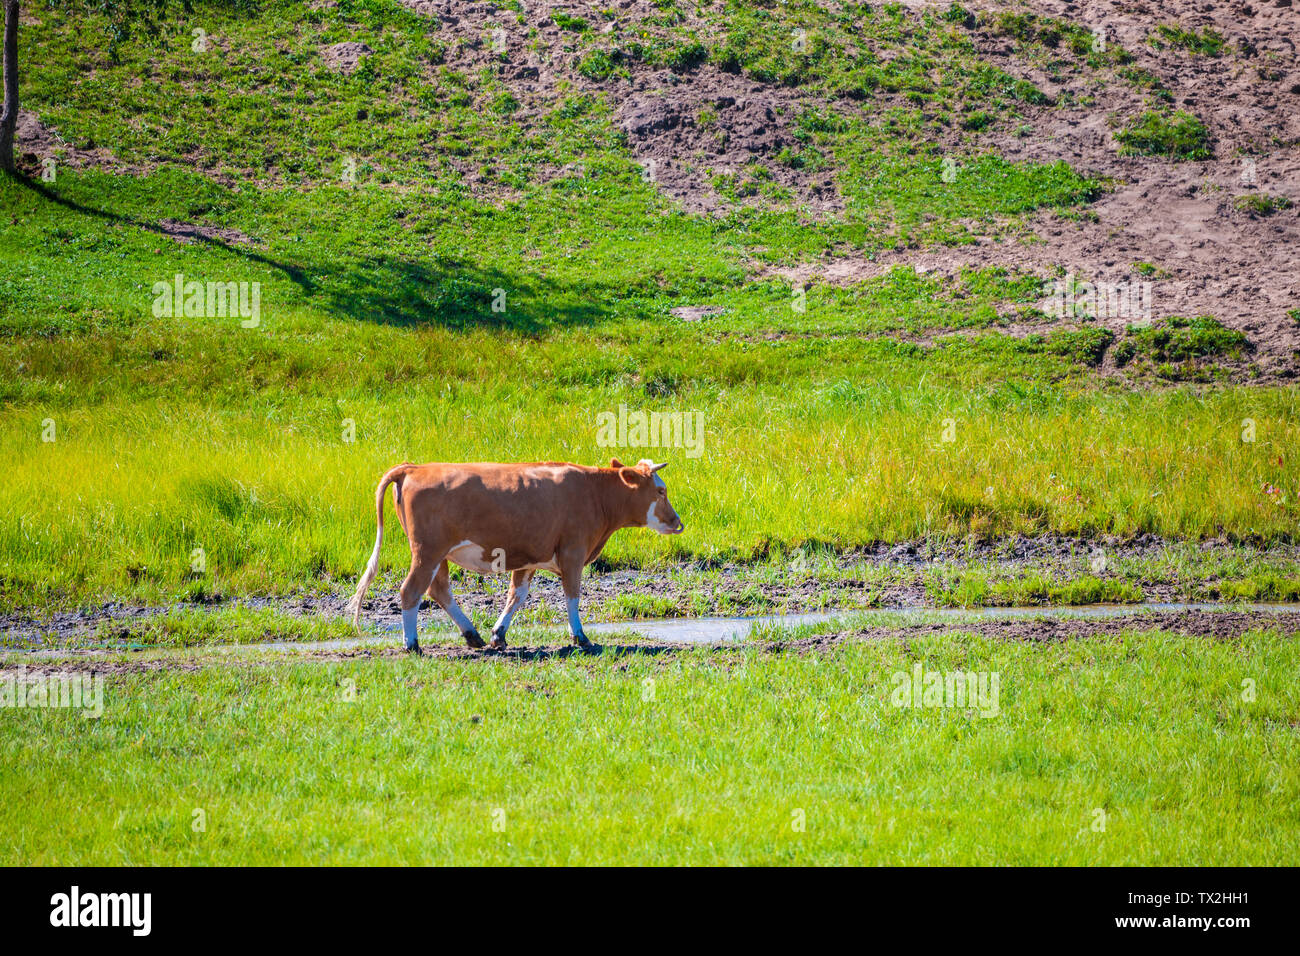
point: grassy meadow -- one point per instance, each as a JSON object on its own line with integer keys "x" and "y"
{"x": 1136, "y": 749}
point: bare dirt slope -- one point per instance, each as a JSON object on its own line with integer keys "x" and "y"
{"x": 1182, "y": 218}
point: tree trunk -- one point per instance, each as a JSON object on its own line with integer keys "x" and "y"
{"x": 9, "y": 115}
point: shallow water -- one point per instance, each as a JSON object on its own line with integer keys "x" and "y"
{"x": 721, "y": 630}
{"x": 712, "y": 630}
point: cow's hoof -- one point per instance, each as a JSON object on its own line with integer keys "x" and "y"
{"x": 472, "y": 639}
{"x": 498, "y": 642}
{"x": 414, "y": 649}
{"x": 584, "y": 644}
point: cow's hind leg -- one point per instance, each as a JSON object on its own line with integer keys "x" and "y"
{"x": 417, "y": 579}
{"x": 440, "y": 591}
{"x": 519, "y": 581}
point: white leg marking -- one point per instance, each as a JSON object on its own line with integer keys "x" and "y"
{"x": 503, "y": 622}
{"x": 409, "y": 625}
{"x": 457, "y": 615}
{"x": 575, "y": 625}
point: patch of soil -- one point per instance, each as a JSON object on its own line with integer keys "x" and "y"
{"x": 346, "y": 57}
{"x": 693, "y": 313}
{"x": 186, "y": 233}
{"x": 34, "y": 143}
{"x": 694, "y": 134}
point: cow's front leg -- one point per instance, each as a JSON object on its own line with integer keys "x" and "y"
{"x": 440, "y": 591}
{"x": 571, "y": 581}
{"x": 519, "y": 581}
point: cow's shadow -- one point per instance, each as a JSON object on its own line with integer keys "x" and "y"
{"x": 525, "y": 654}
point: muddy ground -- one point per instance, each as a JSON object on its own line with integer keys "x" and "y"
{"x": 883, "y": 575}
{"x": 1218, "y": 625}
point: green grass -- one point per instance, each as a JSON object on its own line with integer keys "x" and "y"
{"x": 1173, "y": 348}
{"x": 1261, "y": 204}
{"x": 1176, "y": 135}
{"x": 972, "y": 588}
{"x": 190, "y": 627}
{"x": 698, "y": 757}
{"x": 1209, "y": 42}
{"x": 639, "y": 606}
{"x": 231, "y": 480}
{"x": 1149, "y": 270}
{"x": 567, "y": 22}
{"x": 1262, "y": 586}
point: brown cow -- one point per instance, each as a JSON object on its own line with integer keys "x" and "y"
{"x": 492, "y": 518}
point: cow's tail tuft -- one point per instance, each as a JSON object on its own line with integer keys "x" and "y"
{"x": 393, "y": 477}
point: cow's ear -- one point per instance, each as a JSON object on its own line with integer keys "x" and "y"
{"x": 630, "y": 476}
{"x": 615, "y": 463}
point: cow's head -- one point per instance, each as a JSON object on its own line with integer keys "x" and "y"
{"x": 649, "y": 507}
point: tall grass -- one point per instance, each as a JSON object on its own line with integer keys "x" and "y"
{"x": 277, "y": 499}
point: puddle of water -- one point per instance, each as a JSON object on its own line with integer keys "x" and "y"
{"x": 722, "y": 630}
{"x": 713, "y": 630}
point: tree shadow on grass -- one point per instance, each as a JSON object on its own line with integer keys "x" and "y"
{"x": 393, "y": 290}
{"x": 453, "y": 295}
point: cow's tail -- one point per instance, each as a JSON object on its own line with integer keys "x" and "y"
{"x": 393, "y": 477}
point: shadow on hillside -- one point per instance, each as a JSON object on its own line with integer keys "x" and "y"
{"x": 453, "y": 295}
{"x": 397, "y": 291}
